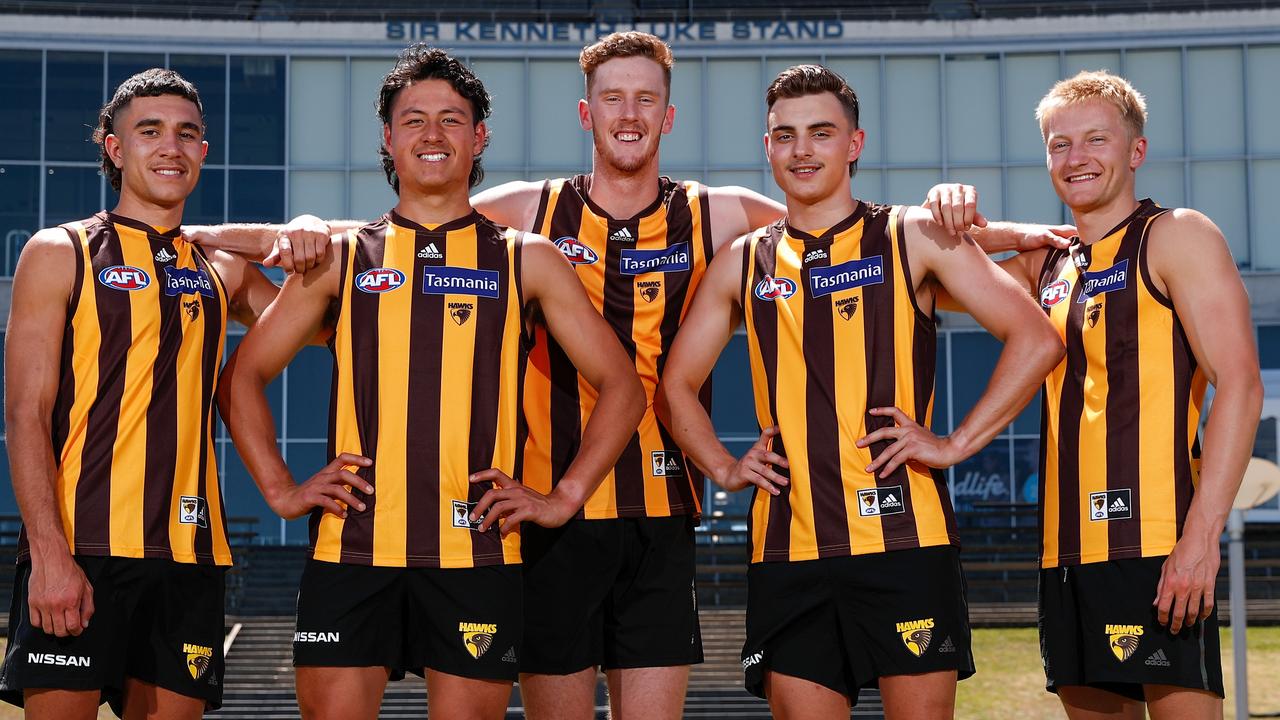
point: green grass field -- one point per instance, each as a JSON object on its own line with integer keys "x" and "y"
{"x": 1010, "y": 682}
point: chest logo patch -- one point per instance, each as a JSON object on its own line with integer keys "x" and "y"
{"x": 669, "y": 259}
{"x": 124, "y": 277}
{"x": 379, "y": 280}
{"x": 1113, "y": 278}
{"x": 1055, "y": 292}
{"x": 846, "y": 276}
{"x": 450, "y": 280}
{"x": 578, "y": 252}
{"x": 771, "y": 288}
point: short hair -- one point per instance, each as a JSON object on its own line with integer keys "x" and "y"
{"x": 148, "y": 83}
{"x": 422, "y": 62}
{"x": 802, "y": 80}
{"x": 626, "y": 44}
{"x": 1095, "y": 85}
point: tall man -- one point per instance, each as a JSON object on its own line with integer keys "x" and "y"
{"x": 114, "y": 341}
{"x": 855, "y": 578}
{"x": 1151, "y": 307}
{"x": 429, "y": 308}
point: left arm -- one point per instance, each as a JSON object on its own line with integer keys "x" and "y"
{"x": 1216, "y": 319}
{"x": 736, "y": 211}
{"x": 297, "y": 246}
{"x": 249, "y": 292}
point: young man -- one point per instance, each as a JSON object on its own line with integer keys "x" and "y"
{"x": 1131, "y": 513}
{"x": 855, "y": 578}
{"x": 410, "y": 569}
{"x": 113, "y": 347}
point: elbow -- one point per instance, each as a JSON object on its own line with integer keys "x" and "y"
{"x": 636, "y": 400}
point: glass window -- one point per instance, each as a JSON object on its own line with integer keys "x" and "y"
{"x": 1078, "y": 61}
{"x": 735, "y": 108}
{"x": 909, "y": 187}
{"x": 366, "y": 128}
{"x": 984, "y": 478}
{"x": 72, "y": 102}
{"x": 1027, "y": 79}
{"x": 867, "y": 184}
{"x": 555, "y": 128}
{"x": 1162, "y": 182}
{"x": 1266, "y": 184}
{"x": 20, "y": 112}
{"x": 1264, "y": 102}
{"x": 941, "y": 396}
{"x": 209, "y": 74}
{"x": 371, "y": 196}
{"x": 973, "y": 359}
{"x": 1026, "y": 475}
{"x": 750, "y": 179}
{"x": 913, "y": 112}
{"x": 8, "y": 503}
{"x": 19, "y": 210}
{"x": 122, "y": 66}
{"x": 256, "y": 196}
{"x": 310, "y": 376}
{"x": 1218, "y": 190}
{"x": 1031, "y": 197}
{"x": 504, "y": 80}
{"x": 317, "y": 125}
{"x": 319, "y": 192}
{"x": 241, "y": 497}
{"x": 733, "y": 408}
{"x": 990, "y": 189}
{"x": 1217, "y": 110}
{"x": 257, "y": 110}
{"x": 863, "y": 75}
{"x": 275, "y": 391}
{"x": 207, "y": 205}
{"x": 682, "y": 149}
{"x": 305, "y": 459}
{"x": 973, "y": 108}
{"x": 71, "y": 193}
{"x": 1157, "y": 74}
{"x": 496, "y": 178}
{"x": 1269, "y": 346}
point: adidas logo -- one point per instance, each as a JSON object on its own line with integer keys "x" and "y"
{"x": 430, "y": 252}
{"x": 1118, "y": 506}
{"x": 818, "y": 254}
{"x": 166, "y": 255}
{"x": 510, "y": 655}
{"x": 623, "y": 235}
{"x": 1158, "y": 659}
{"x": 947, "y": 646}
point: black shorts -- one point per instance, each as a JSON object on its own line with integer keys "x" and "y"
{"x": 1099, "y": 628}
{"x": 610, "y": 593}
{"x": 154, "y": 620}
{"x": 460, "y": 621}
{"x": 846, "y": 622}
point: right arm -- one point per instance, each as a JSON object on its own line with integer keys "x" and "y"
{"x": 514, "y": 204}
{"x": 705, "y": 331}
{"x": 296, "y": 316}
{"x": 59, "y": 595}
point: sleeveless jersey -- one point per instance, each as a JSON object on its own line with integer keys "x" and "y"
{"x": 1119, "y": 457}
{"x": 428, "y": 355}
{"x": 833, "y": 328}
{"x": 641, "y": 274}
{"x": 132, "y": 421}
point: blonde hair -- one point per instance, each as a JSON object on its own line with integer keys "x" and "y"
{"x": 626, "y": 44}
{"x": 1095, "y": 85}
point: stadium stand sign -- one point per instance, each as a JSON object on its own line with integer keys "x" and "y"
{"x": 553, "y": 32}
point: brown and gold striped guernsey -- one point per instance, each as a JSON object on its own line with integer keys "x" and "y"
{"x": 132, "y": 421}
{"x": 641, "y": 274}
{"x": 833, "y": 328}
{"x": 1119, "y": 456}
{"x": 429, "y": 354}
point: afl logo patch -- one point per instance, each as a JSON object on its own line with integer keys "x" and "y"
{"x": 124, "y": 277}
{"x": 1055, "y": 293}
{"x": 577, "y": 252}
{"x": 379, "y": 280}
{"x": 771, "y": 288}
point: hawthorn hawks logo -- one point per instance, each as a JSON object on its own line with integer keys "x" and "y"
{"x": 847, "y": 307}
{"x": 461, "y": 312}
{"x": 1124, "y": 640}
{"x": 916, "y": 635}
{"x": 199, "y": 658}
{"x": 477, "y": 638}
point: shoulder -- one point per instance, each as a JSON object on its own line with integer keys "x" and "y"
{"x": 1183, "y": 233}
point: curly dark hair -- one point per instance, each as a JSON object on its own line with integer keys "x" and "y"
{"x": 801, "y": 80}
{"x": 422, "y": 62}
{"x": 148, "y": 83}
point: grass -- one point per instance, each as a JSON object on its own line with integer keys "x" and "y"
{"x": 1010, "y": 681}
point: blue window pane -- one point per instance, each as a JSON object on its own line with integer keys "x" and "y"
{"x": 8, "y": 503}
{"x": 6, "y": 465}
{"x": 209, "y": 74}
{"x": 733, "y": 410}
{"x": 71, "y": 193}
{"x": 19, "y": 210}
{"x": 973, "y": 359}
{"x": 941, "y": 398}
{"x": 984, "y": 478}
{"x": 204, "y": 204}
{"x": 310, "y": 378}
{"x": 72, "y": 103}
{"x": 256, "y": 196}
{"x": 257, "y": 102}
{"x": 305, "y": 460}
{"x": 122, "y": 66}
{"x": 1026, "y": 471}
{"x": 729, "y": 507}
{"x": 241, "y": 499}
{"x": 275, "y": 391}
{"x": 20, "y": 112}
{"x": 1269, "y": 346}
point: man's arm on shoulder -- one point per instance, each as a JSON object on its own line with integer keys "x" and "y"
{"x": 60, "y": 597}
{"x": 1192, "y": 265}
{"x": 296, "y": 246}
{"x": 736, "y": 211}
{"x": 514, "y": 204}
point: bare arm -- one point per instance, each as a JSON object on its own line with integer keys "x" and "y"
{"x": 705, "y": 331}
{"x": 1031, "y": 347}
{"x": 60, "y": 597}
{"x": 296, "y": 246}
{"x": 514, "y": 204}
{"x": 297, "y": 315}
{"x": 1215, "y": 316}
{"x": 591, "y": 345}
{"x": 736, "y": 211}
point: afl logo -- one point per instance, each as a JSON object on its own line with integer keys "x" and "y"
{"x": 1055, "y": 293}
{"x": 124, "y": 277}
{"x": 576, "y": 251}
{"x": 379, "y": 280}
{"x": 771, "y": 288}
